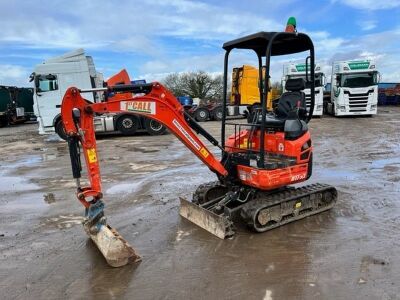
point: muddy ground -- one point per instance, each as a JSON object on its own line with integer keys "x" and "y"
{"x": 351, "y": 252}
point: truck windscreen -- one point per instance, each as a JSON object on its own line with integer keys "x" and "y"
{"x": 318, "y": 80}
{"x": 358, "y": 80}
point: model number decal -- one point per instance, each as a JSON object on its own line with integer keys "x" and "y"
{"x": 298, "y": 177}
{"x": 139, "y": 106}
{"x": 187, "y": 136}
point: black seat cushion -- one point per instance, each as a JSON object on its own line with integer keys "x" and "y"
{"x": 288, "y": 102}
{"x": 291, "y": 105}
{"x": 295, "y": 84}
{"x": 272, "y": 121}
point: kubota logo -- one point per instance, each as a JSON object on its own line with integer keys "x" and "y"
{"x": 139, "y": 106}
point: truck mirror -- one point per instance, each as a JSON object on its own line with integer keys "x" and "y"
{"x": 37, "y": 83}
{"x": 32, "y": 77}
{"x": 51, "y": 77}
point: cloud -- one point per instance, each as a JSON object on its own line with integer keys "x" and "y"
{"x": 370, "y": 4}
{"x": 13, "y": 75}
{"x": 125, "y": 25}
{"x": 367, "y": 25}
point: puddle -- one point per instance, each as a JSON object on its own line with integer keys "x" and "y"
{"x": 64, "y": 221}
{"x": 12, "y": 184}
{"x": 381, "y": 163}
{"x": 49, "y": 157}
{"x": 26, "y": 202}
{"x": 131, "y": 187}
{"x": 332, "y": 174}
{"x": 125, "y": 188}
{"x": 54, "y": 138}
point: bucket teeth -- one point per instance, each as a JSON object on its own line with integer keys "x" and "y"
{"x": 219, "y": 225}
{"x": 114, "y": 248}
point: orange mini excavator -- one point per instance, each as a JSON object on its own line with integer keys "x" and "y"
{"x": 258, "y": 163}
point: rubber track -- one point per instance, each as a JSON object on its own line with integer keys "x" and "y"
{"x": 198, "y": 195}
{"x": 251, "y": 209}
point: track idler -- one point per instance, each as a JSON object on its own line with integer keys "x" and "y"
{"x": 114, "y": 248}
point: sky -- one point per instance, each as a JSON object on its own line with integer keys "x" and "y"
{"x": 152, "y": 38}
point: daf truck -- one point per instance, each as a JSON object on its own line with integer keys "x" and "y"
{"x": 293, "y": 70}
{"x": 354, "y": 88}
{"x": 55, "y": 75}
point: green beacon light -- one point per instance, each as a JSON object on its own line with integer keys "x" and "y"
{"x": 291, "y": 25}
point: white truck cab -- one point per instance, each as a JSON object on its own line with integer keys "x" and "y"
{"x": 293, "y": 70}
{"x": 354, "y": 88}
{"x": 55, "y": 75}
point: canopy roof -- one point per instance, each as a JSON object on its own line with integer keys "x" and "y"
{"x": 283, "y": 43}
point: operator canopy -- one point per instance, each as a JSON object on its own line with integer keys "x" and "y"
{"x": 283, "y": 43}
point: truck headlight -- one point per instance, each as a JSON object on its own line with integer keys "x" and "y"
{"x": 343, "y": 108}
{"x": 373, "y": 107}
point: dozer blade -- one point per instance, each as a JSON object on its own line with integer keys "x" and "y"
{"x": 218, "y": 225}
{"x": 114, "y": 248}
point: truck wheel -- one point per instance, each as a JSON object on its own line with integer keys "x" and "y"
{"x": 154, "y": 127}
{"x": 201, "y": 114}
{"x": 217, "y": 113}
{"x": 128, "y": 124}
{"x": 59, "y": 128}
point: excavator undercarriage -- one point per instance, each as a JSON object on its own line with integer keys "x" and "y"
{"x": 216, "y": 209}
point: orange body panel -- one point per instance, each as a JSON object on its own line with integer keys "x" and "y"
{"x": 276, "y": 144}
{"x": 272, "y": 179}
{"x": 122, "y": 77}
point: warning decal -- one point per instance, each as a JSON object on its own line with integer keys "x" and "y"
{"x": 92, "y": 156}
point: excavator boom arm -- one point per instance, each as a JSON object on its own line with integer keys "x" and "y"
{"x": 157, "y": 103}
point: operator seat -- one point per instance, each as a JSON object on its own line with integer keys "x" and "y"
{"x": 291, "y": 111}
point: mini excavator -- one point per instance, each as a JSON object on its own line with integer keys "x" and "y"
{"x": 259, "y": 161}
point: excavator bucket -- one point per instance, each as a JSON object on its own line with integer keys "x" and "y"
{"x": 114, "y": 248}
{"x": 219, "y": 225}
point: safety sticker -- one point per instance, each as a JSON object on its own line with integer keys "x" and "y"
{"x": 204, "y": 152}
{"x": 92, "y": 156}
{"x": 139, "y": 106}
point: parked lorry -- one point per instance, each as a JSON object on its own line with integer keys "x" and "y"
{"x": 16, "y": 105}
{"x": 354, "y": 88}
{"x": 293, "y": 71}
{"x": 245, "y": 97}
{"x": 55, "y": 75}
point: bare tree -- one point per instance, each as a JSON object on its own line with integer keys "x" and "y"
{"x": 195, "y": 84}
{"x": 277, "y": 86}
